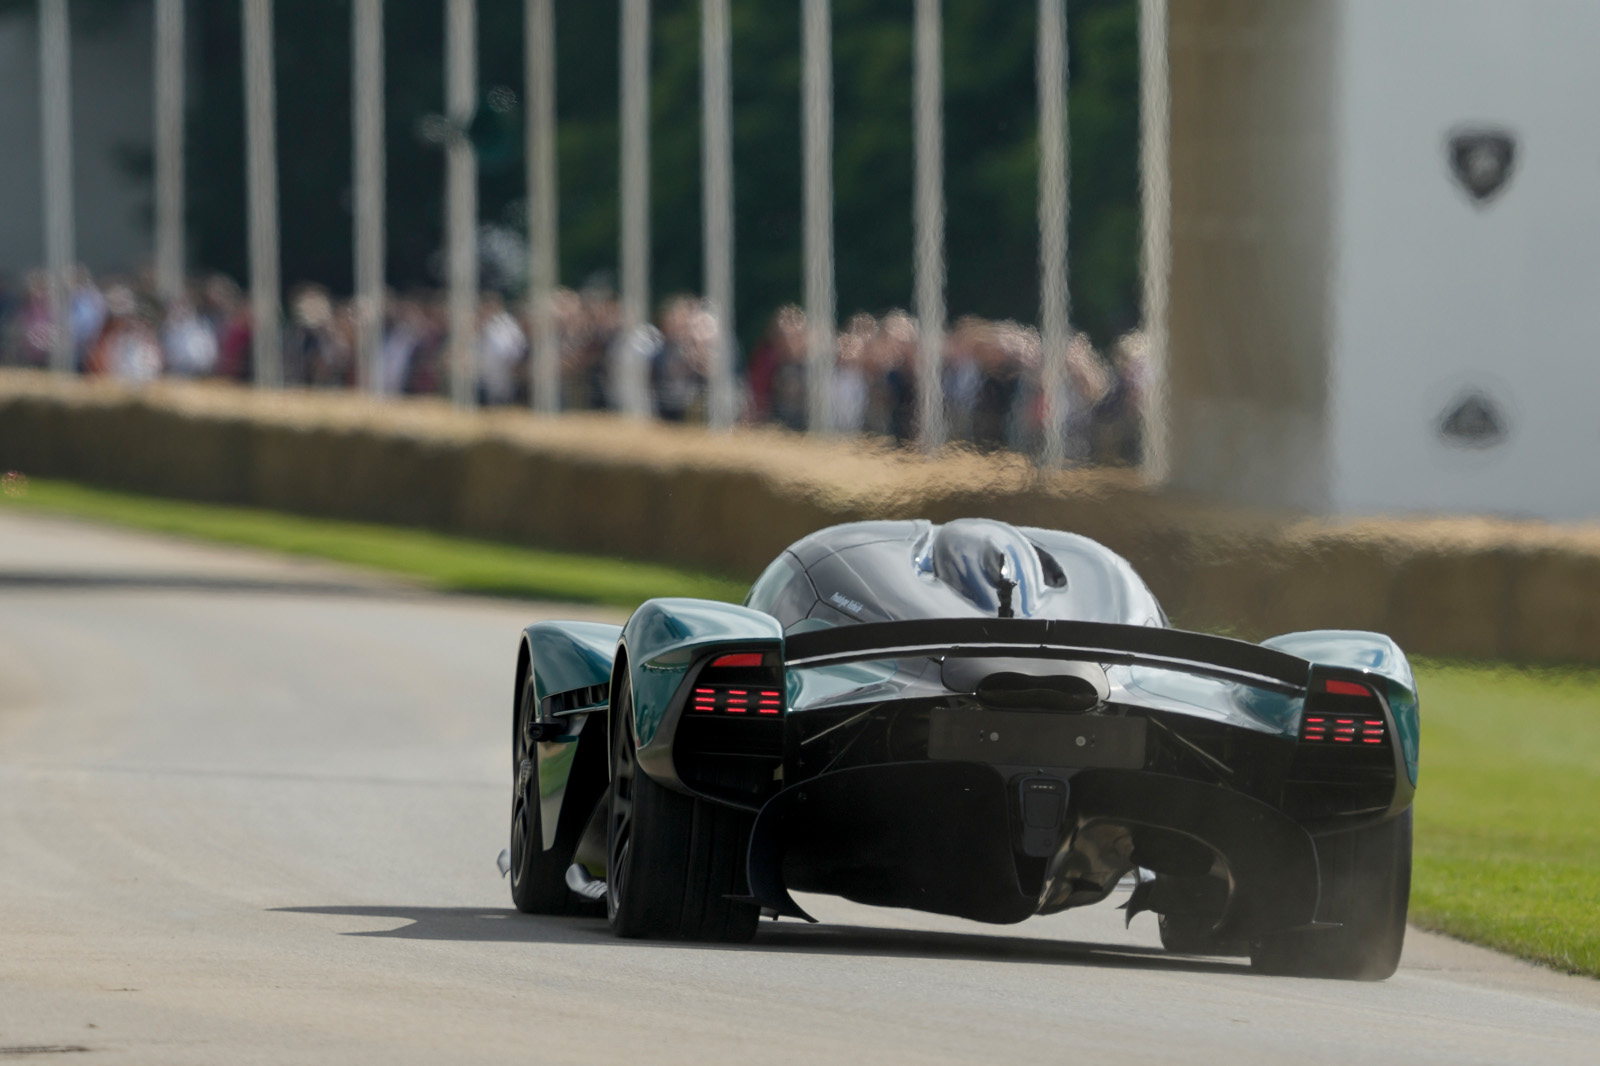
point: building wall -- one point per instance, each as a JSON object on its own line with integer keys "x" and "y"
{"x": 1252, "y": 86}
{"x": 111, "y": 83}
{"x": 1439, "y": 297}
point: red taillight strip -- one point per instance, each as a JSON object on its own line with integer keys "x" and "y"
{"x": 1335, "y": 687}
{"x": 742, "y": 659}
{"x": 738, "y": 700}
{"x": 1344, "y": 730}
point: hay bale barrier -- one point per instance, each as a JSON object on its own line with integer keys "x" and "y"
{"x": 1473, "y": 588}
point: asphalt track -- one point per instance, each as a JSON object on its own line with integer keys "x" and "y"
{"x": 249, "y": 811}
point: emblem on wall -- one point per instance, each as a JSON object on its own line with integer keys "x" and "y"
{"x": 1482, "y": 159}
{"x": 1473, "y": 420}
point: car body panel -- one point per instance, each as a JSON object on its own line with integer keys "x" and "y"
{"x": 567, "y": 656}
{"x": 663, "y": 638}
{"x": 1374, "y": 654}
{"x": 564, "y": 658}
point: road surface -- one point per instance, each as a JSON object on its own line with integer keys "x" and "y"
{"x": 249, "y": 811}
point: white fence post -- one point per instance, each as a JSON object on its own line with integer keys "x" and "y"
{"x": 818, "y": 138}
{"x": 632, "y": 379}
{"x": 716, "y": 140}
{"x": 1155, "y": 120}
{"x": 55, "y": 116}
{"x": 461, "y": 198}
{"x": 930, "y": 273}
{"x": 543, "y": 228}
{"x": 369, "y": 166}
{"x": 169, "y": 170}
{"x": 261, "y": 133}
{"x": 1054, "y": 172}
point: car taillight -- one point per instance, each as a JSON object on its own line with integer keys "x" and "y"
{"x": 737, "y": 660}
{"x": 1339, "y": 730}
{"x": 729, "y": 699}
{"x": 1351, "y": 716}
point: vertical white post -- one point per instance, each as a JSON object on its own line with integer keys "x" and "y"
{"x": 1054, "y": 171}
{"x": 1155, "y": 132}
{"x": 817, "y": 34}
{"x": 930, "y": 223}
{"x": 261, "y": 135}
{"x": 716, "y": 142}
{"x": 55, "y": 116}
{"x": 543, "y": 231}
{"x": 369, "y": 166}
{"x": 461, "y": 196}
{"x": 635, "y": 91}
{"x": 169, "y": 62}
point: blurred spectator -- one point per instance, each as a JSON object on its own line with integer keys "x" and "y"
{"x": 502, "y": 352}
{"x": 628, "y": 366}
{"x": 189, "y": 341}
{"x": 991, "y": 374}
{"x": 784, "y": 342}
{"x": 678, "y": 370}
{"x": 404, "y": 328}
{"x": 87, "y": 312}
{"x": 1119, "y": 414}
{"x": 225, "y": 307}
{"x": 126, "y": 347}
{"x": 37, "y": 330}
{"x": 897, "y": 376}
{"x": 849, "y": 393}
{"x": 317, "y": 350}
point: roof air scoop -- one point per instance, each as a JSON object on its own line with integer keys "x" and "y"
{"x": 990, "y": 564}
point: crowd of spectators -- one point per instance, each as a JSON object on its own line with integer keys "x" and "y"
{"x": 991, "y": 369}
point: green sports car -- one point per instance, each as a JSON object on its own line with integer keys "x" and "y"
{"x": 972, "y": 719}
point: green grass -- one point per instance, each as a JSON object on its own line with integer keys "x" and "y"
{"x": 454, "y": 564}
{"x": 1508, "y": 810}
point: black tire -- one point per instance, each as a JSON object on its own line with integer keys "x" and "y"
{"x": 673, "y": 860}
{"x": 1187, "y": 934}
{"x": 538, "y": 876}
{"x": 1366, "y": 886}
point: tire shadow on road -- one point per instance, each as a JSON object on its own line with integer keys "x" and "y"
{"x": 497, "y": 925}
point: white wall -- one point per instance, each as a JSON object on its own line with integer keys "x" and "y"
{"x": 1432, "y": 294}
{"x": 111, "y": 85}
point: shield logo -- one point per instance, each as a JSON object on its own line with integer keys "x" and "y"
{"x": 1473, "y": 421}
{"x": 1482, "y": 160}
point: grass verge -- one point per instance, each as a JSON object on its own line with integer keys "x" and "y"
{"x": 1508, "y": 810}
{"x": 454, "y": 564}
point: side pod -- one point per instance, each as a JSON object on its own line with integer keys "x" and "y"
{"x": 569, "y": 656}
{"x": 569, "y": 672}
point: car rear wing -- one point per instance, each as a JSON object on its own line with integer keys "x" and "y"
{"x": 1107, "y": 643}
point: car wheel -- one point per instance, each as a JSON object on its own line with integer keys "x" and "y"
{"x": 673, "y": 860}
{"x": 1366, "y": 886}
{"x": 538, "y": 876}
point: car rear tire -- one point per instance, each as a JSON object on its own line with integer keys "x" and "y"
{"x": 1366, "y": 886}
{"x": 538, "y": 875}
{"x": 674, "y": 860}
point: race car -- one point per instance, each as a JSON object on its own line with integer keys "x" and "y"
{"x": 973, "y": 719}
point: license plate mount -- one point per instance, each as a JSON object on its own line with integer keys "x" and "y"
{"x": 1036, "y": 738}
